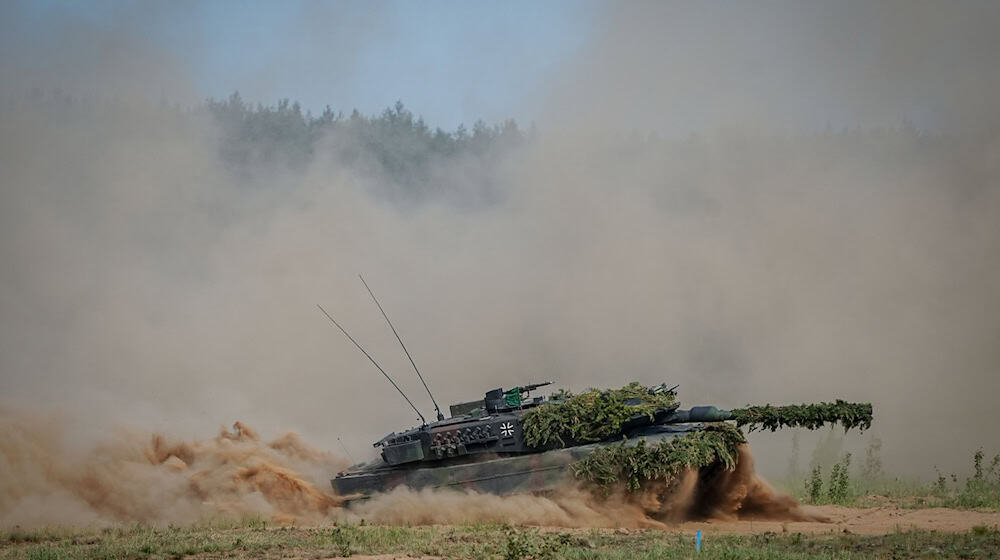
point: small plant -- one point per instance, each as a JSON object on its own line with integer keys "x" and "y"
{"x": 982, "y": 489}
{"x": 524, "y": 545}
{"x": 977, "y": 465}
{"x": 940, "y": 485}
{"x": 814, "y": 486}
{"x": 44, "y": 554}
{"x": 980, "y": 530}
{"x": 840, "y": 480}
{"x": 343, "y": 540}
{"x": 519, "y": 545}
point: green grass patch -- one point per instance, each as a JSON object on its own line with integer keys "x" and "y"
{"x": 837, "y": 485}
{"x": 500, "y": 542}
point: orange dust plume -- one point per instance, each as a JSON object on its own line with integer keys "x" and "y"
{"x": 47, "y": 477}
{"x": 717, "y": 493}
{"x": 742, "y": 494}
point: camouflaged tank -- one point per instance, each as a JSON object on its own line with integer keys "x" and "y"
{"x": 483, "y": 447}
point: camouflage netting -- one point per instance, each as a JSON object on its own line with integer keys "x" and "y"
{"x": 809, "y": 416}
{"x": 633, "y": 465}
{"x": 590, "y": 416}
{"x": 598, "y": 415}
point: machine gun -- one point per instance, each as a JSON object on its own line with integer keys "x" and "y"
{"x": 515, "y": 396}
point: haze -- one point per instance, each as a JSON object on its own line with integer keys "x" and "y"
{"x": 784, "y": 203}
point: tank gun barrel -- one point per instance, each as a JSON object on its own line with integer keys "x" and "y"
{"x": 698, "y": 414}
{"x": 810, "y": 416}
{"x": 532, "y": 386}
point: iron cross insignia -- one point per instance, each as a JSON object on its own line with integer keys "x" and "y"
{"x": 506, "y": 429}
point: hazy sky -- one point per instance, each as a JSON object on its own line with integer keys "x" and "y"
{"x": 452, "y": 62}
{"x": 673, "y": 67}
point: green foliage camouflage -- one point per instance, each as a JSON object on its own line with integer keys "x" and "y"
{"x": 809, "y": 416}
{"x": 591, "y": 416}
{"x": 598, "y": 415}
{"x": 634, "y": 465}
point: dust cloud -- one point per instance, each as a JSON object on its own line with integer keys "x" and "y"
{"x": 742, "y": 494}
{"x": 695, "y": 208}
{"x": 713, "y": 493}
{"x": 130, "y": 477}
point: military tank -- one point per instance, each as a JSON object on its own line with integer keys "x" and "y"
{"x": 506, "y": 442}
{"x": 509, "y": 442}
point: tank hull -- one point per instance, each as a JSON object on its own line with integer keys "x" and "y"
{"x": 516, "y": 474}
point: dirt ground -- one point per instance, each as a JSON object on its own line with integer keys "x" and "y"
{"x": 862, "y": 521}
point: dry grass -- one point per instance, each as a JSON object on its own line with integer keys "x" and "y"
{"x": 258, "y": 540}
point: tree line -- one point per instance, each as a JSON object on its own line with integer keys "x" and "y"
{"x": 412, "y": 158}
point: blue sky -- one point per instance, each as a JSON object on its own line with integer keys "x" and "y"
{"x": 452, "y": 62}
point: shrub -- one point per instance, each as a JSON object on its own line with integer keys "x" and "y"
{"x": 840, "y": 481}
{"x": 814, "y": 486}
{"x": 343, "y": 540}
{"x": 982, "y": 489}
{"x": 523, "y": 545}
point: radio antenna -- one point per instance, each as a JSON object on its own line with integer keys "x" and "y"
{"x": 344, "y": 447}
{"x": 371, "y": 293}
{"x": 372, "y": 360}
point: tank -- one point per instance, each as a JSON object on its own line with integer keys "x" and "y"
{"x": 509, "y": 442}
{"x": 483, "y": 446}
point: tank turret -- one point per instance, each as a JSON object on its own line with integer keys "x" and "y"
{"x": 488, "y": 425}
